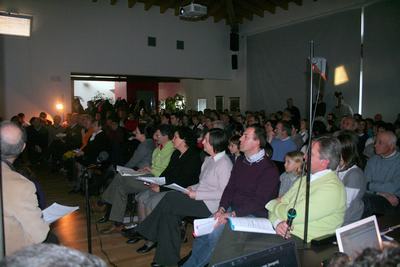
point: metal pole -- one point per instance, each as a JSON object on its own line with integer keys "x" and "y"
{"x": 88, "y": 219}
{"x": 2, "y": 238}
{"x": 310, "y": 120}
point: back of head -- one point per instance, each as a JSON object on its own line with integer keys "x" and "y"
{"x": 187, "y": 134}
{"x": 259, "y": 133}
{"x": 329, "y": 149}
{"x": 166, "y": 130}
{"x": 50, "y": 255}
{"x": 218, "y": 140}
{"x": 12, "y": 140}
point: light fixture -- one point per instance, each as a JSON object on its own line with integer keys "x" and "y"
{"x": 340, "y": 75}
{"x": 15, "y": 24}
{"x": 59, "y": 106}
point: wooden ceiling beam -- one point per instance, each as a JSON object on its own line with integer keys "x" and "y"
{"x": 131, "y": 3}
{"x": 113, "y": 2}
{"x": 148, "y": 4}
{"x": 298, "y": 2}
{"x": 251, "y": 8}
{"x": 270, "y": 7}
{"x": 281, "y": 3}
{"x": 213, "y": 9}
{"x": 231, "y": 18}
{"x": 164, "y": 7}
{"x": 243, "y": 13}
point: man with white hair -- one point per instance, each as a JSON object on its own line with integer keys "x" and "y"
{"x": 23, "y": 222}
{"x": 383, "y": 176}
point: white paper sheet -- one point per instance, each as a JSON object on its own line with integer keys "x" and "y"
{"x": 177, "y": 187}
{"x": 152, "y": 180}
{"x": 56, "y": 211}
{"x": 203, "y": 226}
{"x": 128, "y": 172}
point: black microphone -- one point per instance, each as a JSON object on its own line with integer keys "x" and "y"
{"x": 290, "y": 217}
{"x": 291, "y": 214}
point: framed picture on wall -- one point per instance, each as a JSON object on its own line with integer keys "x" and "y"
{"x": 234, "y": 103}
{"x": 219, "y": 103}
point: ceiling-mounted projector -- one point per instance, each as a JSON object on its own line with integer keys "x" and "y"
{"x": 193, "y": 11}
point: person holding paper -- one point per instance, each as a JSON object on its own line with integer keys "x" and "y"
{"x": 183, "y": 169}
{"x": 116, "y": 195}
{"x": 202, "y": 200}
{"x": 23, "y": 222}
{"x": 254, "y": 181}
{"x": 327, "y": 195}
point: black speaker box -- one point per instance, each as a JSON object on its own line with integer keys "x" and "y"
{"x": 234, "y": 41}
{"x": 234, "y": 62}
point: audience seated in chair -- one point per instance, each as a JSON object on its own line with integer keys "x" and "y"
{"x": 202, "y": 200}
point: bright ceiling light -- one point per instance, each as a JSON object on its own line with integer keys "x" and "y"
{"x": 14, "y": 24}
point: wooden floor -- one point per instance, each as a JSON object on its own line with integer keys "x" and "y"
{"x": 71, "y": 229}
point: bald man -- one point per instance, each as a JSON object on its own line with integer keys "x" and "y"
{"x": 23, "y": 222}
{"x": 383, "y": 176}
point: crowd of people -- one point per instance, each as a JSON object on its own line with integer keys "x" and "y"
{"x": 232, "y": 164}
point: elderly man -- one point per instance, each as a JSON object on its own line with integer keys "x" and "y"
{"x": 254, "y": 181}
{"x": 23, "y": 222}
{"x": 383, "y": 176}
{"x": 327, "y": 195}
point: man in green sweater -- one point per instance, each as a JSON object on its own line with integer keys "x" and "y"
{"x": 327, "y": 195}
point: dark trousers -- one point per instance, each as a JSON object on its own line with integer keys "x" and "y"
{"x": 162, "y": 225}
{"x": 378, "y": 205}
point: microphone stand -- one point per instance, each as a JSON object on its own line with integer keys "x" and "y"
{"x": 310, "y": 123}
{"x": 86, "y": 177}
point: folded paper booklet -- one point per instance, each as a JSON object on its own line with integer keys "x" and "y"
{"x": 203, "y": 226}
{"x": 128, "y": 171}
{"x": 251, "y": 224}
{"x": 56, "y": 211}
{"x": 152, "y": 180}
{"x": 177, "y": 187}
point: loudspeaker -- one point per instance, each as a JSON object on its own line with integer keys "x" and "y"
{"x": 234, "y": 62}
{"x": 234, "y": 41}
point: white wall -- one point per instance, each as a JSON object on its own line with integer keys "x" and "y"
{"x": 87, "y": 37}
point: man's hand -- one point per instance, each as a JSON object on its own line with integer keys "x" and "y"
{"x": 155, "y": 188}
{"x": 221, "y": 216}
{"x": 281, "y": 229}
{"x": 393, "y": 200}
{"x": 145, "y": 169}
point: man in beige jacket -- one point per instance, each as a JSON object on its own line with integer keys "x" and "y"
{"x": 23, "y": 222}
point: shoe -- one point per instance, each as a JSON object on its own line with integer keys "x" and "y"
{"x": 130, "y": 233}
{"x": 97, "y": 207}
{"x": 129, "y": 228}
{"x": 145, "y": 248}
{"x": 134, "y": 240}
{"x": 182, "y": 261}
{"x": 155, "y": 264}
{"x": 113, "y": 229}
{"x": 103, "y": 219}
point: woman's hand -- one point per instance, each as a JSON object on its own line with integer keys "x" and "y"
{"x": 191, "y": 193}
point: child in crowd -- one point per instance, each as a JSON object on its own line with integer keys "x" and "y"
{"x": 234, "y": 148}
{"x": 293, "y": 168}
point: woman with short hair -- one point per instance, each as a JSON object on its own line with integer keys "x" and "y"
{"x": 202, "y": 200}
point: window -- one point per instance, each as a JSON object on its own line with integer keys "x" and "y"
{"x": 234, "y": 103}
{"x": 201, "y": 104}
{"x": 219, "y": 103}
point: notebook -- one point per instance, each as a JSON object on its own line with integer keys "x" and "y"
{"x": 353, "y": 238}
